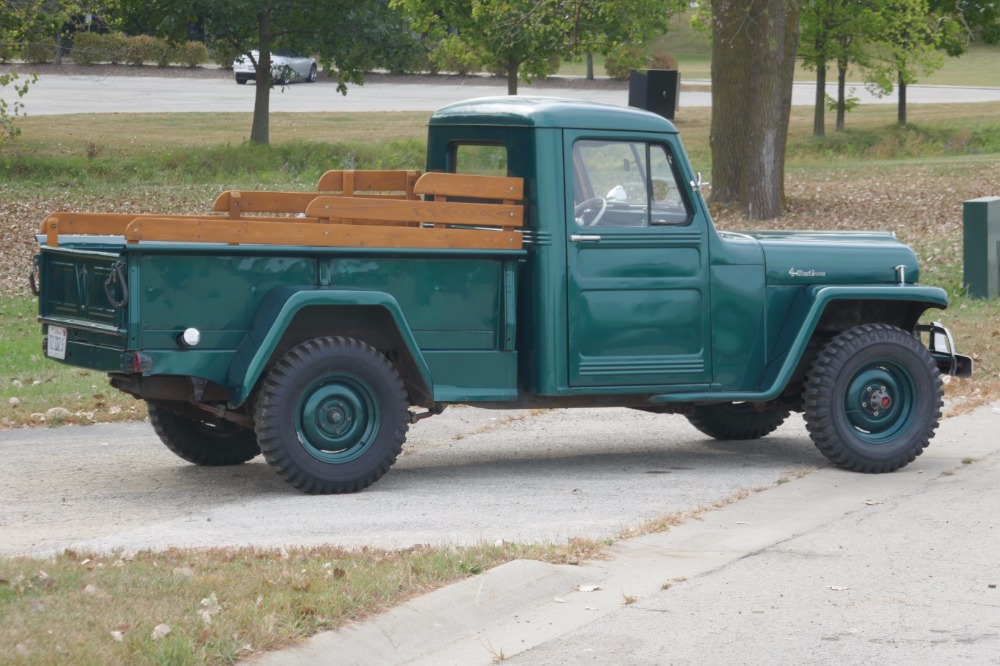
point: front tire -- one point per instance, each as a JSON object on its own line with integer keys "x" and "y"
{"x": 242, "y": 80}
{"x": 332, "y": 415}
{"x": 873, "y": 399}
{"x": 313, "y": 74}
{"x": 203, "y": 442}
{"x": 735, "y": 420}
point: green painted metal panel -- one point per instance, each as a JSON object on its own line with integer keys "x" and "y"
{"x": 470, "y": 376}
{"x": 210, "y": 364}
{"x": 271, "y": 321}
{"x": 780, "y": 369}
{"x": 638, "y": 297}
{"x": 738, "y": 331}
{"x": 981, "y": 247}
{"x": 211, "y": 292}
{"x": 448, "y": 303}
{"x": 74, "y": 286}
{"x": 542, "y": 112}
{"x": 802, "y": 258}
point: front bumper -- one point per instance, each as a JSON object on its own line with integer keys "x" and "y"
{"x": 941, "y": 345}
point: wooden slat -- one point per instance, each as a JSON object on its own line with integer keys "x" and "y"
{"x": 86, "y": 224}
{"x": 467, "y": 186}
{"x": 424, "y": 212}
{"x": 236, "y": 202}
{"x": 369, "y": 181}
{"x": 222, "y": 230}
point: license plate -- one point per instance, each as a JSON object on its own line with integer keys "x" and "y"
{"x": 56, "y": 347}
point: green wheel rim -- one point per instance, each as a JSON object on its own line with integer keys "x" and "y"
{"x": 337, "y": 418}
{"x": 880, "y": 402}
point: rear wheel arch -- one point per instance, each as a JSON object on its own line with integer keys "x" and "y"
{"x": 373, "y": 324}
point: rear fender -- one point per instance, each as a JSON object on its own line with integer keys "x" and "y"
{"x": 284, "y": 305}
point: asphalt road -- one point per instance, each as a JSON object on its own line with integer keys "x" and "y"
{"x": 466, "y": 476}
{"x": 61, "y": 94}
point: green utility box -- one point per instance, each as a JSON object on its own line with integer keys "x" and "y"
{"x": 981, "y": 239}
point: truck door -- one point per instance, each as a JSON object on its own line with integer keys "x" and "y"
{"x": 638, "y": 299}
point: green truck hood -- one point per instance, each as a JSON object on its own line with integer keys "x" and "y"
{"x": 811, "y": 257}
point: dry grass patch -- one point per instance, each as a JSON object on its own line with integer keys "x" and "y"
{"x": 218, "y": 606}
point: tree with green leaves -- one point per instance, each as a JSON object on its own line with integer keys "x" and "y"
{"x": 754, "y": 43}
{"x": 906, "y": 48}
{"x": 840, "y": 31}
{"x": 17, "y": 19}
{"x": 523, "y": 38}
{"x": 352, "y": 36}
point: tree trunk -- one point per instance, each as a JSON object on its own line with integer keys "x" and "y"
{"x": 901, "y": 111}
{"x": 59, "y": 46}
{"x": 259, "y": 131}
{"x": 590, "y": 66}
{"x": 730, "y": 90}
{"x": 753, "y": 61}
{"x": 513, "y": 65}
{"x": 819, "y": 115}
{"x": 841, "y": 94}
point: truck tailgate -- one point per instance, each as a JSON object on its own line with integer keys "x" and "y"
{"x": 76, "y": 290}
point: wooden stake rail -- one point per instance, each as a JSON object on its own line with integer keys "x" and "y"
{"x": 325, "y": 219}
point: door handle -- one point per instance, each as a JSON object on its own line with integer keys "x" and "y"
{"x": 578, "y": 238}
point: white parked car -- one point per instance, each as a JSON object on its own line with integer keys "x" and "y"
{"x": 286, "y": 67}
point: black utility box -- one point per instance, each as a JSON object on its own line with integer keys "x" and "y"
{"x": 655, "y": 90}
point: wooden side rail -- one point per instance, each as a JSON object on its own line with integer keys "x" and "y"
{"x": 415, "y": 213}
{"x": 441, "y": 186}
{"x": 294, "y": 232}
{"x": 237, "y": 202}
{"x": 389, "y": 184}
{"x": 88, "y": 224}
{"x": 348, "y": 183}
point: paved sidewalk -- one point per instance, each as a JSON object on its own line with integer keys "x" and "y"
{"x": 831, "y": 568}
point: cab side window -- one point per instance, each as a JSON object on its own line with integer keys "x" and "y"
{"x": 626, "y": 184}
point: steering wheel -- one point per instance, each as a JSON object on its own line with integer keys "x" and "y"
{"x": 586, "y": 208}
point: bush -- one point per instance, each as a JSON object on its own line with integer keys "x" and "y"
{"x": 622, "y": 58}
{"x": 223, "y": 53}
{"x": 87, "y": 48}
{"x": 191, "y": 54}
{"x": 661, "y": 60}
{"x": 114, "y": 46}
{"x": 7, "y": 53}
{"x": 39, "y": 51}
{"x": 453, "y": 55}
{"x": 139, "y": 49}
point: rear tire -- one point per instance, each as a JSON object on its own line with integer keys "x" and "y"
{"x": 203, "y": 442}
{"x": 332, "y": 415}
{"x": 735, "y": 420}
{"x": 873, "y": 399}
{"x": 242, "y": 80}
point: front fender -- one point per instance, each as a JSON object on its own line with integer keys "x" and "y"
{"x": 277, "y": 312}
{"x": 780, "y": 370}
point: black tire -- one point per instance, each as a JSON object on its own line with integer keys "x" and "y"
{"x": 242, "y": 80}
{"x": 313, "y": 74}
{"x": 872, "y": 399}
{"x": 735, "y": 420}
{"x": 203, "y": 442}
{"x": 332, "y": 415}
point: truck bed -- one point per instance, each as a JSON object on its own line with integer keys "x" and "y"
{"x": 488, "y": 216}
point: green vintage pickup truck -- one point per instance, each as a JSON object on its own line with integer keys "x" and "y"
{"x": 552, "y": 254}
